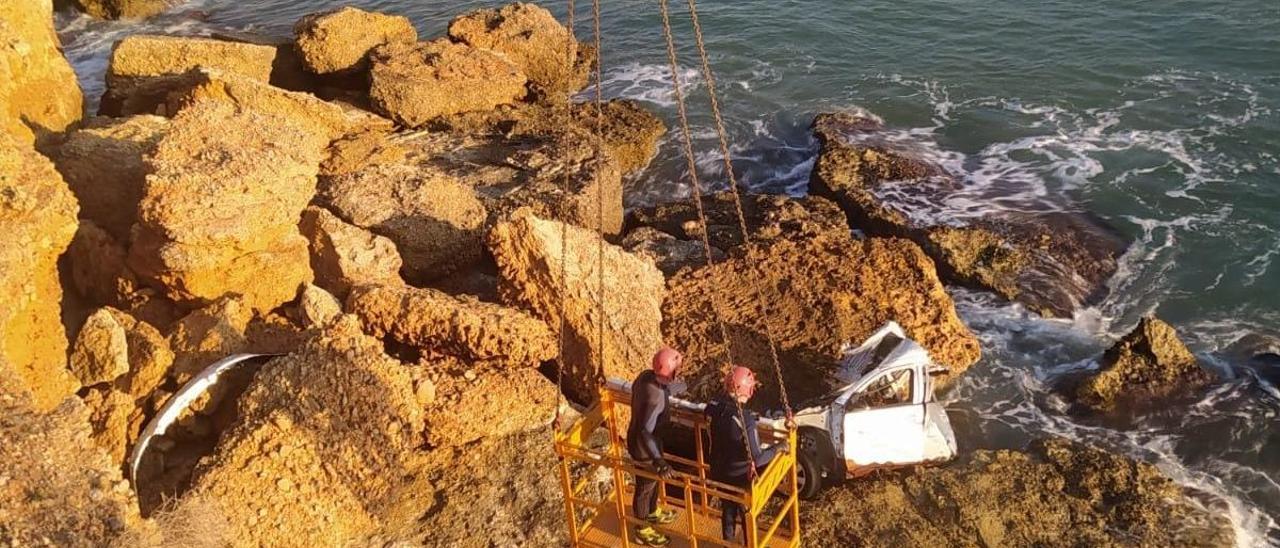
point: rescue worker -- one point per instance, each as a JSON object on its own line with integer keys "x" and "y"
{"x": 650, "y": 399}
{"x": 728, "y": 459}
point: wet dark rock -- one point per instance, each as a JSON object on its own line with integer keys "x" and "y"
{"x": 1053, "y": 261}
{"x": 1148, "y": 363}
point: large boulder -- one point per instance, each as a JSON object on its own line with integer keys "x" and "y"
{"x": 434, "y": 219}
{"x": 224, "y": 191}
{"x": 60, "y": 488}
{"x": 493, "y": 404}
{"x": 38, "y": 89}
{"x": 416, "y": 83}
{"x": 326, "y": 450}
{"x": 144, "y": 69}
{"x": 103, "y": 164}
{"x": 38, "y": 218}
{"x": 813, "y": 294}
{"x": 344, "y": 255}
{"x": 339, "y": 41}
{"x": 531, "y": 38}
{"x": 1053, "y": 261}
{"x": 625, "y": 312}
{"x": 460, "y": 326}
{"x": 1056, "y": 493}
{"x": 122, "y": 9}
{"x": 629, "y": 133}
{"x": 1150, "y": 362}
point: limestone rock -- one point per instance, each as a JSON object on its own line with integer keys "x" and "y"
{"x": 109, "y": 412}
{"x": 767, "y": 216}
{"x": 669, "y": 253}
{"x": 123, "y": 9}
{"x": 327, "y": 447}
{"x": 339, "y": 40}
{"x": 149, "y": 356}
{"x": 101, "y": 352}
{"x": 1052, "y": 261}
{"x": 344, "y": 255}
{"x": 528, "y": 251}
{"x": 416, "y": 83}
{"x": 37, "y": 86}
{"x": 532, "y": 39}
{"x": 1150, "y": 362}
{"x": 95, "y": 264}
{"x": 208, "y": 335}
{"x": 38, "y": 216}
{"x": 816, "y": 293}
{"x": 224, "y": 191}
{"x": 435, "y": 220}
{"x": 459, "y": 326}
{"x": 318, "y": 306}
{"x": 102, "y": 162}
{"x": 630, "y": 133}
{"x": 355, "y": 151}
{"x": 72, "y": 492}
{"x": 492, "y": 404}
{"x": 151, "y": 66}
{"x": 1067, "y": 494}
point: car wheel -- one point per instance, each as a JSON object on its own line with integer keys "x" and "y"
{"x": 811, "y": 469}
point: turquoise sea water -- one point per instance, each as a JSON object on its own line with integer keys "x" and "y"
{"x": 1162, "y": 117}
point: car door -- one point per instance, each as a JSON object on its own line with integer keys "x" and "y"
{"x": 883, "y": 420}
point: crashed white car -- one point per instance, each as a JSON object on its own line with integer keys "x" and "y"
{"x": 882, "y": 413}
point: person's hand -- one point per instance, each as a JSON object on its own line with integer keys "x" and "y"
{"x": 663, "y": 469}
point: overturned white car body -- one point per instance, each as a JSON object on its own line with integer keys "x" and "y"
{"x": 881, "y": 413}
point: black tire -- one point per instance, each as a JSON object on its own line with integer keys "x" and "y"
{"x": 812, "y": 462}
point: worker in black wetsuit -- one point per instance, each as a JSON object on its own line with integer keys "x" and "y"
{"x": 728, "y": 458}
{"x": 650, "y": 394}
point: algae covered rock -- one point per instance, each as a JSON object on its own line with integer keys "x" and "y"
{"x": 616, "y": 325}
{"x": 416, "y": 83}
{"x": 339, "y": 40}
{"x": 38, "y": 216}
{"x": 1150, "y": 362}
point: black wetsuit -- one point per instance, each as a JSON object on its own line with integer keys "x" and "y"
{"x": 728, "y": 458}
{"x": 649, "y": 403}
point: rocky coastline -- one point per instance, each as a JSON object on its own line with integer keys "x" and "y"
{"x": 388, "y": 213}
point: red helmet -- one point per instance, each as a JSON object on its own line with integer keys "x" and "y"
{"x": 667, "y": 362}
{"x": 740, "y": 381}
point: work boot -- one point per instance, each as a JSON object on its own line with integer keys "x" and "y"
{"x": 648, "y": 536}
{"x": 661, "y": 516}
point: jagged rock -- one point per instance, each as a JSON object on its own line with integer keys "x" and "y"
{"x": 416, "y": 83}
{"x": 339, "y": 40}
{"x": 38, "y": 218}
{"x": 488, "y": 404}
{"x": 225, "y": 188}
{"x": 109, "y": 412}
{"x": 327, "y": 447}
{"x": 319, "y": 307}
{"x": 669, "y": 253}
{"x": 344, "y": 255}
{"x": 144, "y": 69}
{"x": 816, "y": 293}
{"x": 532, "y": 39}
{"x": 460, "y": 326}
{"x": 528, "y": 169}
{"x": 148, "y": 353}
{"x": 1051, "y": 261}
{"x": 630, "y": 133}
{"x": 101, "y": 352}
{"x": 356, "y": 151}
{"x": 95, "y": 264}
{"x": 38, "y": 89}
{"x": 767, "y": 216}
{"x": 102, "y": 162}
{"x": 208, "y": 335}
{"x": 1150, "y": 362}
{"x": 528, "y": 252}
{"x": 122, "y": 9}
{"x": 1067, "y": 494}
{"x": 60, "y": 488}
{"x": 434, "y": 219}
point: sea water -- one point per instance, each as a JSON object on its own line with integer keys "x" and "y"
{"x": 1162, "y": 117}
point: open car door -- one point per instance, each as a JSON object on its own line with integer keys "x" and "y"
{"x": 884, "y": 419}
